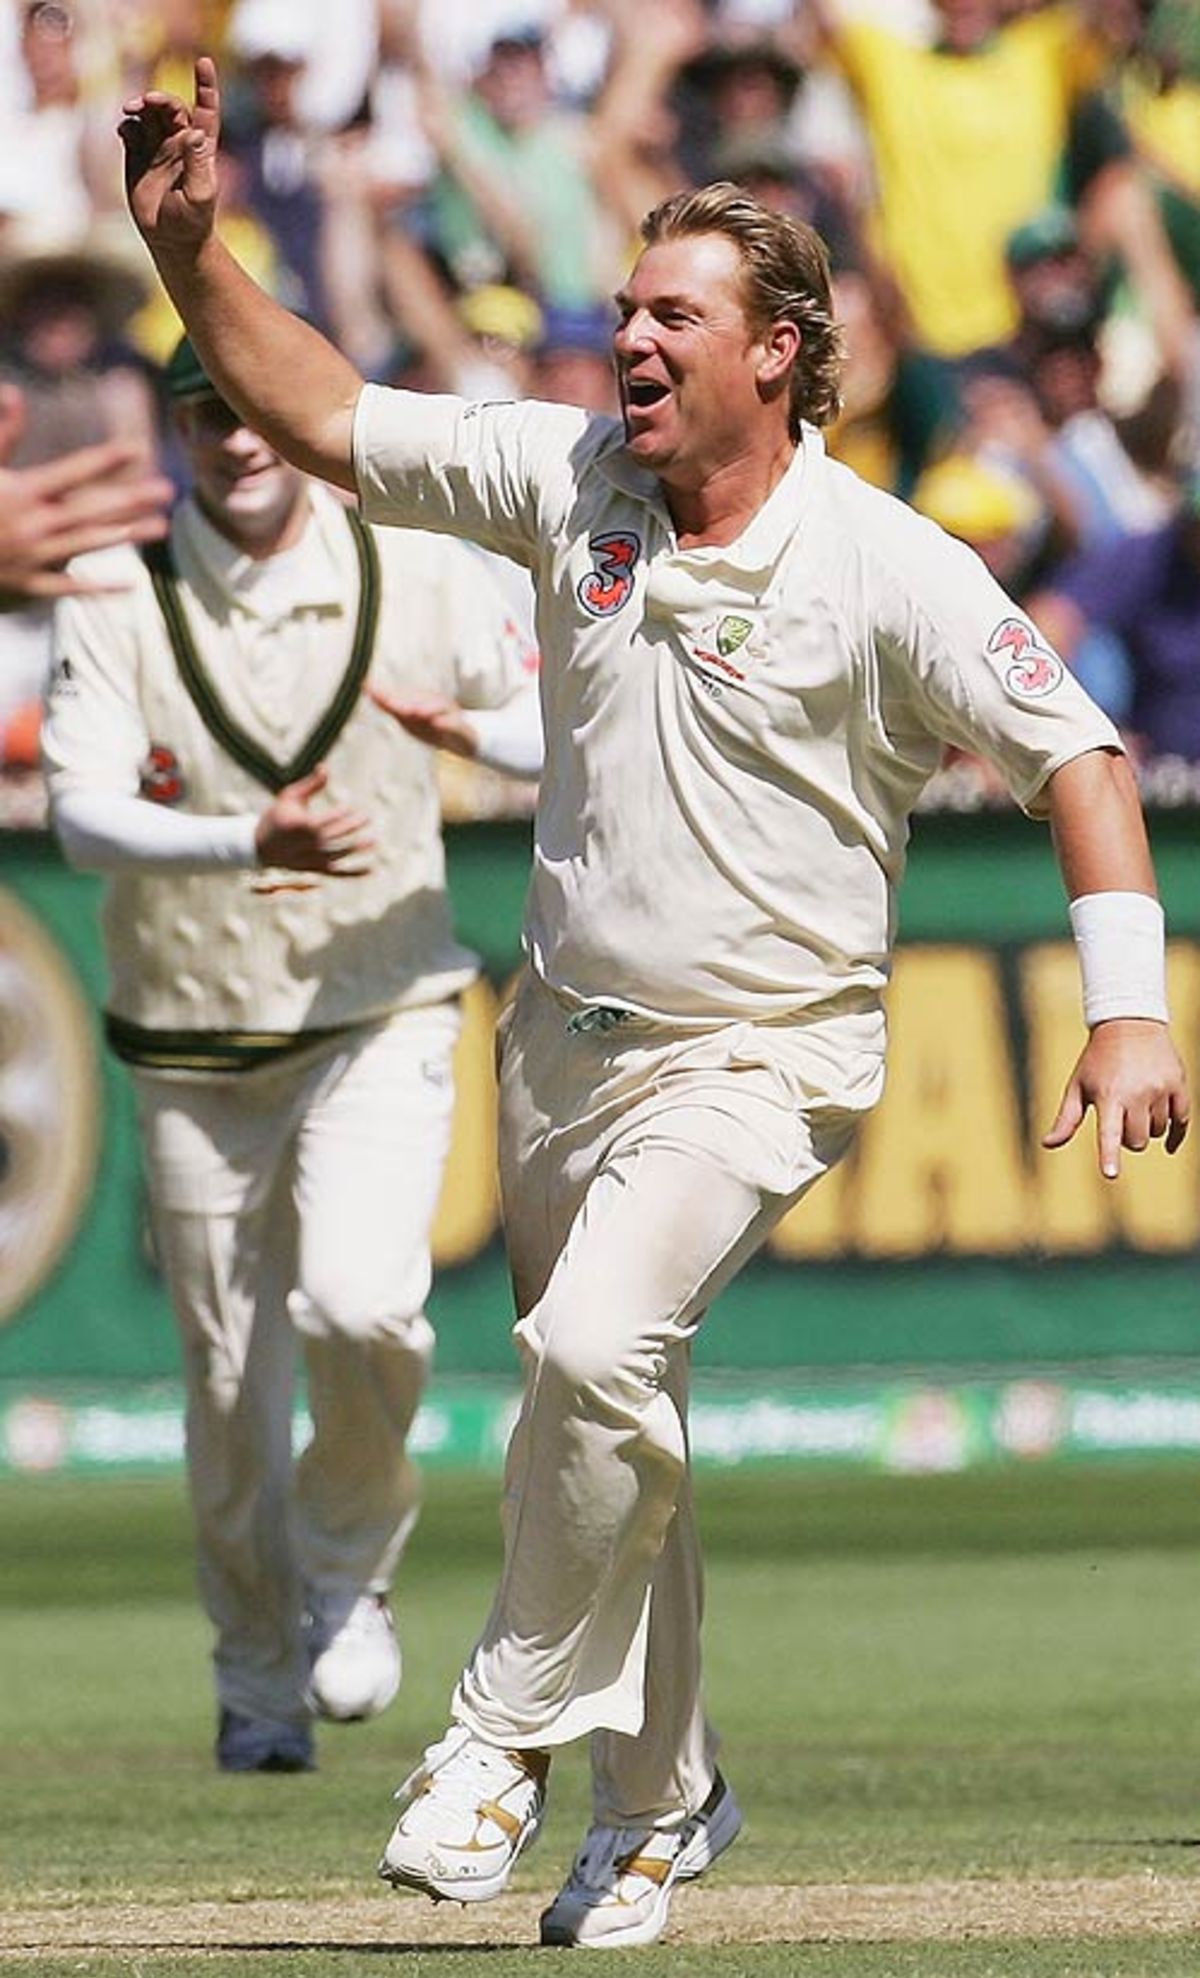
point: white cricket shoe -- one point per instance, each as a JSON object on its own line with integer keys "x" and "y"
{"x": 353, "y": 1655}
{"x": 619, "y": 1890}
{"x": 472, "y": 1810}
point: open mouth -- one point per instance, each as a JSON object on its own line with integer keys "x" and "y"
{"x": 642, "y": 393}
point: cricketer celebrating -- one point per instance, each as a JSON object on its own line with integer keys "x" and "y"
{"x": 751, "y": 662}
{"x": 290, "y": 1039}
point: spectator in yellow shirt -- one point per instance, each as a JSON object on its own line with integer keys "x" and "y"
{"x": 971, "y": 134}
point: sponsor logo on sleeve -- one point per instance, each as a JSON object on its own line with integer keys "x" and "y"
{"x": 609, "y": 584}
{"x": 1031, "y": 668}
{"x": 62, "y": 684}
{"x": 161, "y": 778}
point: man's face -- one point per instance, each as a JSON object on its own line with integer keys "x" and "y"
{"x": 247, "y": 492}
{"x": 967, "y": 24}
{"x": 276, "y": 79}
{"x": 575, "y": 377}
{"x": 513, "y": 86}
{"x": 1057, "y": 291}
{"x": 48, "y": 48}
{"x": 688, "y": 360}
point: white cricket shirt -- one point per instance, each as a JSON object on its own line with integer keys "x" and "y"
{"x": 735, "y": 736}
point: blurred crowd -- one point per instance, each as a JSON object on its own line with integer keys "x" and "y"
{"x": 1010, "y": 193}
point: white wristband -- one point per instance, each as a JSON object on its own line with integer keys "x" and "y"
{"x": 1121, "y": 945}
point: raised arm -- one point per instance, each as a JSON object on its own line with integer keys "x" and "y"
{"x": 281, "y": 375}
{"x": 1129, "y": 1072}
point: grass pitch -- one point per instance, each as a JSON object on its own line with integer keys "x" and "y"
{"x": 962, "y": 1715}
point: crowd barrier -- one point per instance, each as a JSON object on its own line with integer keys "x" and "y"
{"x": 953, "y": 1294}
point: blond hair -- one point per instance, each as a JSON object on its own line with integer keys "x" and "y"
{"x": 785, "y": 278}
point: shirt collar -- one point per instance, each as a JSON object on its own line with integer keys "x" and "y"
{"x": 770, "y": 531}
{"x": 767, "y": 533}
{"x": 616, "y": 464}
{"x": 303, "y": 577}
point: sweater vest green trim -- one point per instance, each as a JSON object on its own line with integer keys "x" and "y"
{"x": 210, "y": 1050}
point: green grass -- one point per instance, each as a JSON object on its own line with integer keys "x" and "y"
{"x": 1020, "y": 1959}
{"x": 915, "y": 1678}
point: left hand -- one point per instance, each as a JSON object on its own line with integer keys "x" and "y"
{"x": 296, "y": 834}
{"x": 432, "y": 718}
{"x": 1130, "y": 1073}
{"x": 170, "y": 162}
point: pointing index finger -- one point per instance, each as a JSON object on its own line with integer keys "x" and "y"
{"x": 1110, "y": 1122}
{"x": 207, "y": 113}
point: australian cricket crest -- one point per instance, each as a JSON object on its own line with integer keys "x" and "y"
{"x": 726, "y": 651}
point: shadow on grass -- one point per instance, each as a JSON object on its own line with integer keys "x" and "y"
{"x": 331, "y": 1947}
{"x": 1139, "y": 1841}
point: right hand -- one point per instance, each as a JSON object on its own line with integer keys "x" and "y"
{"x": 293, "y": 833}
{"x": 1130, "y": 1074}
{"x": 431, "y": 718}
{"x": 171, "y": 162}
{"x": 85, "y": 500}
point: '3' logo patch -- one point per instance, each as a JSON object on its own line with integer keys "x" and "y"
{"x": 1031, "y": 669}
{"x": 609, "y": 584}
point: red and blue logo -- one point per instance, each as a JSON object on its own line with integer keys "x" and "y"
{"x": 609, "y": 584}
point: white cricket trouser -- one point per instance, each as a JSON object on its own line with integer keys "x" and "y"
{"x": 640, "y": 1170}
{"x": 294, "y": 1203}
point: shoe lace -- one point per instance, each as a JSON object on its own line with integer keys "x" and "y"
{"x": 466, "y": 1771}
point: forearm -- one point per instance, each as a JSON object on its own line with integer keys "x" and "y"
{"x": 1122, "y": 216}
{"x": 424, "y": 310}
{"x": 1100, "y": 838}
{"x": 510, "y": 737}
{"x": 102, "y": 831}
{"x": 283, "y": 378}
{"x": 1098, "y": 829}
{"x": 288, "y": 382}
{"x": 501, "y": 215}
{"x": 1129, "y": 1072}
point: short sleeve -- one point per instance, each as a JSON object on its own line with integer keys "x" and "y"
{"x": 493, "y": 473}
{"x": 980, "y": 674}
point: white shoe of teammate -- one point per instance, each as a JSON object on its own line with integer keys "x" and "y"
{"x": 354, "y": 1657}
{"x": 619, "y": 1890}
{"x": 472, "y": 1810}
